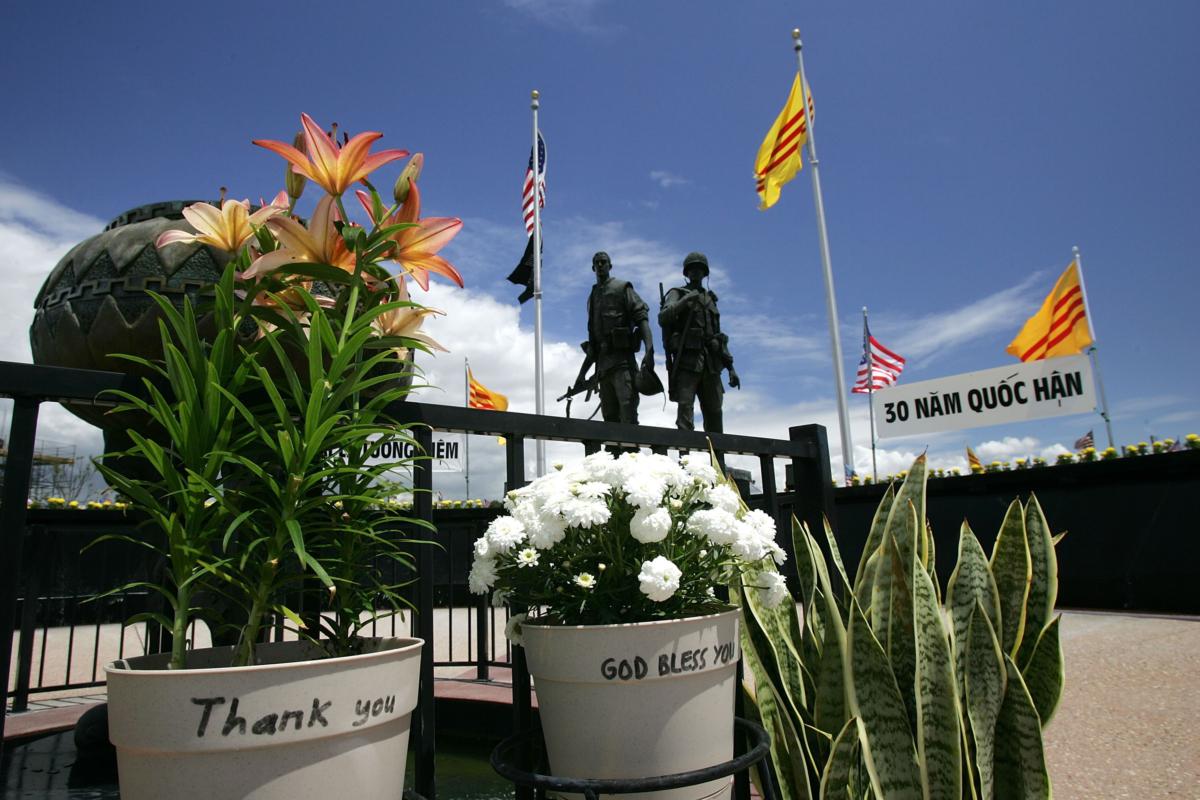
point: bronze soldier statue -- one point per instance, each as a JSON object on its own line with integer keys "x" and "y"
{"x": 618, "y": 326}
{"x": 696, "y": 349}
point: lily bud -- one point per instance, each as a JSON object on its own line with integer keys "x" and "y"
{"x": 412, "y": 171}
{"x": 294, "y": 180}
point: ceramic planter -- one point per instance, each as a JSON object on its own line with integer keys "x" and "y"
{"x": 637, "y": 700}
{"x": 295, "y": 726}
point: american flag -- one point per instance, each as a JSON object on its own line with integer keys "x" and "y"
{"x": 1085, "y": 441}
{"x": 527, "y": 192}
{"x": 879, "y": 366}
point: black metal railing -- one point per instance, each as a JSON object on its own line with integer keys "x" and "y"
{"x": 32, "y": 580}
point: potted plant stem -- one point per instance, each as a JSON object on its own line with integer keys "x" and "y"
{"x": 634, "y": 656}
{"x": 259, "y": 479}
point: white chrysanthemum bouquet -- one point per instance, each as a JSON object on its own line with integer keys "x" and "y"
{"x": 628, "y": 539}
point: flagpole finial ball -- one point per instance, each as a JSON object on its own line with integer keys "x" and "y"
{"x": 535, "y": 94}
{"x": 796, "y": 34}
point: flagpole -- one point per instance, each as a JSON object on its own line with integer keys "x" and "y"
{"x": 870, "y": 393}
{"x": 538, "y": 382}
{"x": 830, "y": 302}
{"x": 467, "y": 436}
{"x": 1087, "y": 313}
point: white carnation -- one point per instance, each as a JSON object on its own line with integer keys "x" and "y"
{"x": 659, "y": 579}
{"x": 747, "y": 544}
{"x": 482, "y": 548}
{"x": 482, "y": 576}
{"x": 512, "y": 629}
{"x": 545, "y": 531}
{"x": 722, "y": 497}
{"x": 586, "y": 513}
{"x": 650, "y": 525}
{"x": 717, "y": 526}
{"x": 772, "y": 588}
{"x": 505, "y": 533}
{"x": 593, "y": 490}
{"x": 699, "y": 466}
{"x": 644, "y": 491}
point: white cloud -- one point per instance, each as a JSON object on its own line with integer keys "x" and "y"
{"x": 667, "y": 179}
{"x": 35, "y": 232}
{"x": 572, "y": 15}
{"x": 942, "y": 331}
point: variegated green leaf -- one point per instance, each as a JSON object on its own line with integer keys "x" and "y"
{"x": 970, "y": 583}
{"x": 766, "y": 638}
{"x": 868, "y": 581}
{"x": 787, "y": 749}
{"x": 892, "y": 613}
{"x": 1020, "y": 759}
{"x": 1012, "y": 570}
{"x": 1043, "y": 586}
{"x": 835, "y": 553}
{"x": 830, "y": 697}
{"x": 874, "y": 538}
{"x": 908, "y": 536}
{"x": 1044, "y": 673}
{"x": 835, "y": 780}
{"x": 807, "y": 559}
{"x": 985, "y": 682}
{"x": 939, "y": 753}
{"x": 873, "y": 697}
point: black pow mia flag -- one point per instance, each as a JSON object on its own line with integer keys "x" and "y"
{"x": 522, "y": 275}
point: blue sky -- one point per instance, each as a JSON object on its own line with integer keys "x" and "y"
{"x": 965, "y": 148}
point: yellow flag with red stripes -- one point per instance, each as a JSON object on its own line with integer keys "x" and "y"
{"x": 973, "y": 461}
{"x": 778, "y": 158}
{"x": 1060, "y": 327}
{"x": 479, "y": 396}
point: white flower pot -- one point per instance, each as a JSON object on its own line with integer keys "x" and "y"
{"x": 637, "y": 700}
{"x": 295, "y": 726}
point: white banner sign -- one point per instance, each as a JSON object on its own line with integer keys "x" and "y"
{"x": 1032, "y": 390}
{"x": 447, "y": 451}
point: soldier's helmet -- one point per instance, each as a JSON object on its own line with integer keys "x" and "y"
{"x": 695, "y": 258}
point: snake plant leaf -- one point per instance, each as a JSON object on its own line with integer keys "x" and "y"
{"x": 874, "y": 539}
{"x": 1058, "y": 537}
{"x": 807, "y": 559}
{"x": 1013, "y": 572}
{"x": 874, "y": 698}
{"x": 1020, "y": 758}
{"x": 912, "y": 491}
{"x": 787, "y": 749}
{"x": 985, "y": 686}
{"x": 1043, "y": 586}
{"x": 939, "y": 738}
{"x": 864, "y": 597}
{"x": 892, "y": 611}
{"x": 830, "y": 696}
{"x": 835, "y": 553}
{"x": 970, "y": 583}
{"x": 1044, "y": 673}
{"x": 765, "y": 638}
{"x": 843, "y": 756}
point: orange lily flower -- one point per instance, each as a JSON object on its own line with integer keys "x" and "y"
{"x": 417, "y": 246}
{"x": 331, "y": 166}
{"x": 406, "y": 322}
{"x": 226, "y": 229}
{"x": 319, "y": 243}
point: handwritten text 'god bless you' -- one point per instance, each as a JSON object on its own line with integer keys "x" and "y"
{"x": 636, "y": 668}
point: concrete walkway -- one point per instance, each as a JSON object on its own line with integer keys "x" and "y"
{"x": 1128, "y": 725}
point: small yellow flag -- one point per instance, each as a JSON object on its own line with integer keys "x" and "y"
{"x": 1060, "y": 327}
{"x": 479, "y": 396}
{"x": 778, "y": 158}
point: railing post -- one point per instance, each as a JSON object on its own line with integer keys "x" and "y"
{"x": 29, "y": 613}
{"x": 424, "y": 782}
{"x": 483, "y": 613}
{"x": 521, "y": 685}
{"x": 813, "y": 483}
{"x": 12, "y": 531}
